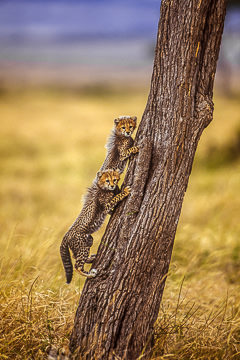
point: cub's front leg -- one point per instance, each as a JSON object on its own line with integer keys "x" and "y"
{"x": 125, "y": 153}
{"x": 116, "y": 199}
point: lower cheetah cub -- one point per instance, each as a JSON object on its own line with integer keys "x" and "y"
{"x": 100, "y": 200}
{"x": 120, "y": 143}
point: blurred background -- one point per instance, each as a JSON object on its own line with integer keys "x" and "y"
{"x": 79, "y": 43}
{"x": 67, "y": 69}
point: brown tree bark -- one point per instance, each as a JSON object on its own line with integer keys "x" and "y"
{"x": 118, "y": 308}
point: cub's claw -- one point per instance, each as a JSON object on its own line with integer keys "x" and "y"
{"x": 127, "y": 190}
{"x": 93, "y": 273}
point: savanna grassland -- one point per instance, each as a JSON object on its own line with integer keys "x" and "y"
{"x": 51, "y": 145}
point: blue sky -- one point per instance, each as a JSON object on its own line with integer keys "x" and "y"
{"x": 78, "y": 19}
{"x": 51, "y": 37}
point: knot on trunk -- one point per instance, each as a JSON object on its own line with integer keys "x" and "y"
{"x": 204, "y": 109}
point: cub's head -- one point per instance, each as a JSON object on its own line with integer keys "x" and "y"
{"x": 125, "y": 125}
{"x": 108, "y": 179}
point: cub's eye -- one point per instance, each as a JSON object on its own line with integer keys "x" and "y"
{"x": 131, "y": 127}
{"x": 108, "y": 181}
{"x": 115, "y": 180}
{"x": 123, "y": 128}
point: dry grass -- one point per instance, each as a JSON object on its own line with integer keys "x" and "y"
{"x": 51, "y": 145}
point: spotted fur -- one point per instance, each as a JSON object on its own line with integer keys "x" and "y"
{"x": 120, "y": 143}
{"x": 101, "y": 199}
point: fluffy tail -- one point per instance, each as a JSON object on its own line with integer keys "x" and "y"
{"x": 66, "y": 259}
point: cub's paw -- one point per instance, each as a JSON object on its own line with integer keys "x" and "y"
{"x": 127, "y": 190}
{"x": 135, "y": 149}
{"x": 110, "y": 211}
{"x": 93, "y": 273}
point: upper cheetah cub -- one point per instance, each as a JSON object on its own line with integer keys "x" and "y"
{"x": 120, "y": 143}
{"x": 100, "y": 199}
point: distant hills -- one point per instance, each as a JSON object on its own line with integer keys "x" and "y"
{"x": 100, "y": 40}
{"x": 83, "y": 20}
{"x": 51, "y": 20}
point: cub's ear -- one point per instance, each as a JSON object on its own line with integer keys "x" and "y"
{"x": 99, "y": 174}
{"x": 134, "y": 118}
{"x": 116, "y": 121}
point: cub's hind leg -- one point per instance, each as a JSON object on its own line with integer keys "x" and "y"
{"x": 79, "y": 265}
{"x": 81, "y": 256}
{"x": 90, "y": 259}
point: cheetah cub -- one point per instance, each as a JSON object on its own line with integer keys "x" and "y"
{"x": 120, "y": 143}
{"x": 101, "y": 198}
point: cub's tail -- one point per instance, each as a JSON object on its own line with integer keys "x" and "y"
{"x": 66, "y": 259}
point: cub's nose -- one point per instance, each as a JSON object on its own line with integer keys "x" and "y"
{"x": 127, "y": 132}
{"x": 112, "y": 186}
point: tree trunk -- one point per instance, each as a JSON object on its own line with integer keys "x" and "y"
{"x": 118, "y": 308}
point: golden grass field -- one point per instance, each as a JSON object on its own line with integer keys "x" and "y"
{"x": 51, "y": 145}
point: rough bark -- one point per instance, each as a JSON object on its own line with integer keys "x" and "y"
{"x": 118, "y": 308}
